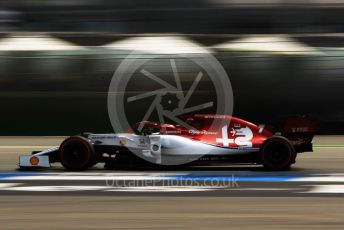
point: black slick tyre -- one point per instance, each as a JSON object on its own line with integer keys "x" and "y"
{"x": 277, "y": 153}
{"x": 76, "y": 153}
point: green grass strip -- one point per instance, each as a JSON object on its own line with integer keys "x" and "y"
{"x": 329, "y": 146}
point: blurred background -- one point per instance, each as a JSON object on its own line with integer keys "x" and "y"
{"x": 57, "y": 57}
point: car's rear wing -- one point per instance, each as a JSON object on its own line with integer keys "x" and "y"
{"x": 300, "y": 131}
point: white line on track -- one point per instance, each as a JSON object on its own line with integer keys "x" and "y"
{"x": 72, "y": 188}
{"x": 8, "y": 185}
{"x": 318, "y": 179}
{"x": 61, "y": 188}
{"x": 81, "y": 178}
{"x": 167, "y": 189}
{"x": 326, "y": 188}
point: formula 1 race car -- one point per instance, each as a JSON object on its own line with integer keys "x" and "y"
{"x": 204, "y": 138}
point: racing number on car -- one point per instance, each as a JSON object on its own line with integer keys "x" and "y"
{"x": 241, "y": 137}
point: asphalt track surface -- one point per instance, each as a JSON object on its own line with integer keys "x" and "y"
{"x": 239, "y": 197}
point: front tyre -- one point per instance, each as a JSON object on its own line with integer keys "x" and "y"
{"x": 76, "y": 153}
{"x": 277, "y": 153}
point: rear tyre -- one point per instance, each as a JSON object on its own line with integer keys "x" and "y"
{"x": 77, "y": 153}
{"x": 277, "y": 153}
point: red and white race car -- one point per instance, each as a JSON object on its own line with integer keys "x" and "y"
{"x": 203, "y": 139}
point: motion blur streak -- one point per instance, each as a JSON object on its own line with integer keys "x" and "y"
{"x": 176, "y": 45}
{"x": 287, "y": 54}
{"x": 63, "y": 75}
